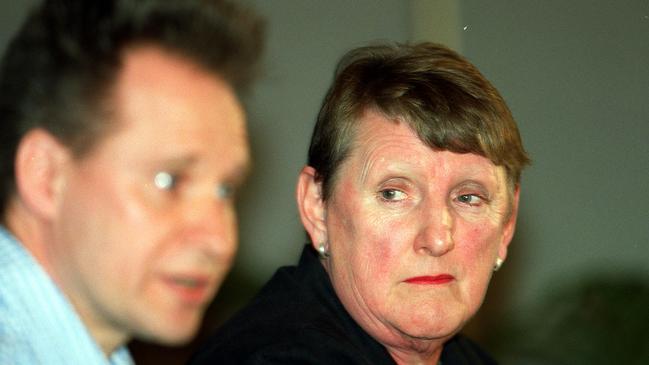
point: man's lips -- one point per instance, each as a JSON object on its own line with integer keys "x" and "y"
{"x": 190, "y": 289}
{"x": 431, "y": 280}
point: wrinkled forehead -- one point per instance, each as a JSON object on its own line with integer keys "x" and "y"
{"x": 380, "y": 139}
{"x": 381, "y": 145}
{"x": 438, "y": 138}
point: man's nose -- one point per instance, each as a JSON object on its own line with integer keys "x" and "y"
{"x": 211, "y": 223}
{"x": 435, "y": 235}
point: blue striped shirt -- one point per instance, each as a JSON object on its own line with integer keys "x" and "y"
{"x": 38, "y": 325}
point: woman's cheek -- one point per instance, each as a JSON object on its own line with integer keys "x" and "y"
{"x": 479, "y": 245}
{"x": 385, "y": 243}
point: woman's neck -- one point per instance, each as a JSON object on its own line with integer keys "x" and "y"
{"x": 409, "y": 358}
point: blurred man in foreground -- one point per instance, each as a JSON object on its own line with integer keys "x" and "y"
{"x": 122, "y": 141}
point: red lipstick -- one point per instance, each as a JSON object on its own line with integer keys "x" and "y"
{"x": 431, "y": 280}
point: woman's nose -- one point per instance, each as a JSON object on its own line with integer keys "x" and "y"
{"x": 435, "y": 237}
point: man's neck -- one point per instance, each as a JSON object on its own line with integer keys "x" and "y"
{"x": 35, "y": 235}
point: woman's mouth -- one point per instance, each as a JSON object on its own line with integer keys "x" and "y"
{"x": 431, "y": 280}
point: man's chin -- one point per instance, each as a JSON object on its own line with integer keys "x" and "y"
{"x": 171, "y": 335}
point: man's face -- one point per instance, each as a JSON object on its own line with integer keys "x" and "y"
{"x": 145, "y": 229}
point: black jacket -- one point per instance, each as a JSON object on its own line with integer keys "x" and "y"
{"x": 297, "y": 319}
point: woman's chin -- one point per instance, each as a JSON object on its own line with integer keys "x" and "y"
{"x": 426, "y": 327}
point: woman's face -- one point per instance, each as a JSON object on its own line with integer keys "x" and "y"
{"x": 413, "y": 234}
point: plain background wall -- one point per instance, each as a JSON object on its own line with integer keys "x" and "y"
{"x": 575, "y": 74}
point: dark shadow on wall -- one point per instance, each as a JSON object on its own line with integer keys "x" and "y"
{"x": 592, "y": 319}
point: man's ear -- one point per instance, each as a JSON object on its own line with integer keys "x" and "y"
{"x": 39, "y": 166}
{"x": 311, "y": 206}
{"x": 510, "y": 225}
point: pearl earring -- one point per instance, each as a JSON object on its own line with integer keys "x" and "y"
{"x": 499, "y": 263}
{"x": 322, "y": 251}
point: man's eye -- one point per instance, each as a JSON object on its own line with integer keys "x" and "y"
{"x": 470, "y": 199}
{"x": 165, "y": 181}
{"x": 392, "y": 195}
{"x": 225, "y": 191}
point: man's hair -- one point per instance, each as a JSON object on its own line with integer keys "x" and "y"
{"x": 61, "y": 66}
{"x": 437, "y": 92}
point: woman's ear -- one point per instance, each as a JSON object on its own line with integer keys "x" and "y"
{"x": 39, "y": 166}
{"x": 509, "y": 225}
{"x": 311, "y": 206}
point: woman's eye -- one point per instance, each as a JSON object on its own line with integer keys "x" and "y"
{"x": 470, "y": 199}
{"x": 165, "y": 181}
{"x": 392, "y": 195}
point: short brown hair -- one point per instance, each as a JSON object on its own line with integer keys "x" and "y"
{"x": 441, "y": 95}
